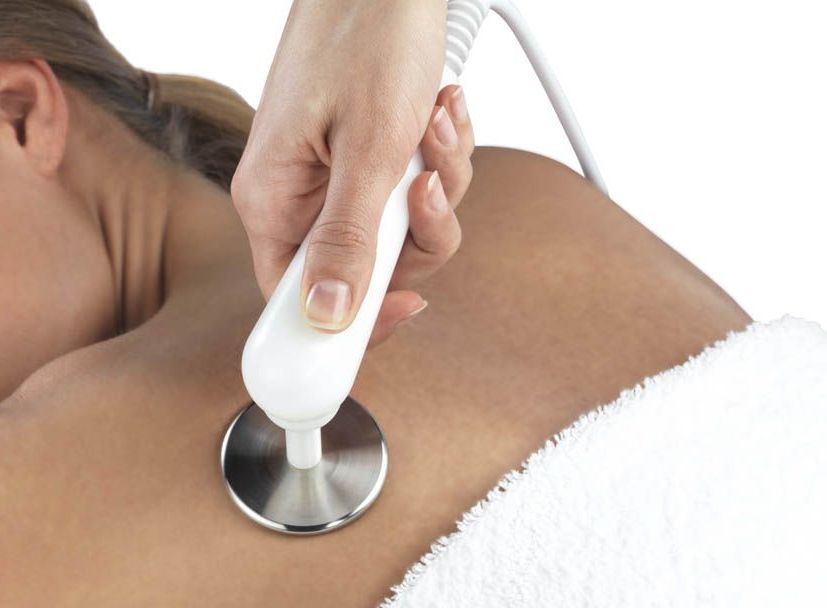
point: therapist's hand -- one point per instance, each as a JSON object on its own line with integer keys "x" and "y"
{"x": 352, "y": 91}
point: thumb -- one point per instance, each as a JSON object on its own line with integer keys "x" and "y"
{"x": 342, "y": 247}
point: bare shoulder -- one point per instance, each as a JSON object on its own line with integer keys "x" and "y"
{"x": 556, "y": 301}
{"x": 577, "y": 235}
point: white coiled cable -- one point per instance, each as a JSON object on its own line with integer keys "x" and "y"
{"x": 465, "y": 18}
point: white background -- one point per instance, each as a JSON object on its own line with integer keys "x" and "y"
{"x": 709, "y": 119}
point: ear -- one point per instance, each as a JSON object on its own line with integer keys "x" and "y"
{"x": 34, "y": 115}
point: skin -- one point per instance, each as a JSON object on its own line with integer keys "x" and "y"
{"x": 110, "y": 489}
{"x": 103, "y": 258}
{"x": 346, "y": 102}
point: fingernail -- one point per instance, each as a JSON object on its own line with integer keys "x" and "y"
{"x": 436, "y": 194}
{"x": 458, "y": 108}
{"x": 328, "y": 304}
{"x": 444, "y": 128}
{"x": 413, "y": 313}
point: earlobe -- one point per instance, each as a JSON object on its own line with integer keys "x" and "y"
{"x": 34, "y": 105}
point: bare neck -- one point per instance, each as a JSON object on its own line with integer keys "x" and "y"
{"x": 129, "y": 190}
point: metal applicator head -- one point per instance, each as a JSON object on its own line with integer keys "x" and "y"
{"x": 279, "y": 496}
{"x": 320, "y": 470}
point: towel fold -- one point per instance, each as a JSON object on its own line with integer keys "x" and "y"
{"x": 704, "y": 486}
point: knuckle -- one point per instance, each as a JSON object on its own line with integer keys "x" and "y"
{"x": 459, "y": 165}
{"x": 241, "y": 188}
{"x": 455, "y": 160}
{"x": 454, "y": 243}
{"x": 458, "y": 180}
{"x": 346, "y": 238}
{"x": 447, "y": 245}
{"x": 386, "y": 133}
{"x": 262, "y": 177}
{"x": 467, "y": 174}
{"x": 250, "y": 190}
{"x": 262, "y": 202}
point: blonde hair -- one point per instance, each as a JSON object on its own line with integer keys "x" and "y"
{"x": 195, "y": 121}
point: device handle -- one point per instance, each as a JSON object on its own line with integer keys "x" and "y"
{"x": 299, "y": 375}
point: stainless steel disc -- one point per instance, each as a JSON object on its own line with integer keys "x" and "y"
{"x": 273, "y": 493}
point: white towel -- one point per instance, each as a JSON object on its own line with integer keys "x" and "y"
{"x": 704, "y": 486}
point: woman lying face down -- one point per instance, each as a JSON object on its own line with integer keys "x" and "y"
{"x": 127, "y": 292}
